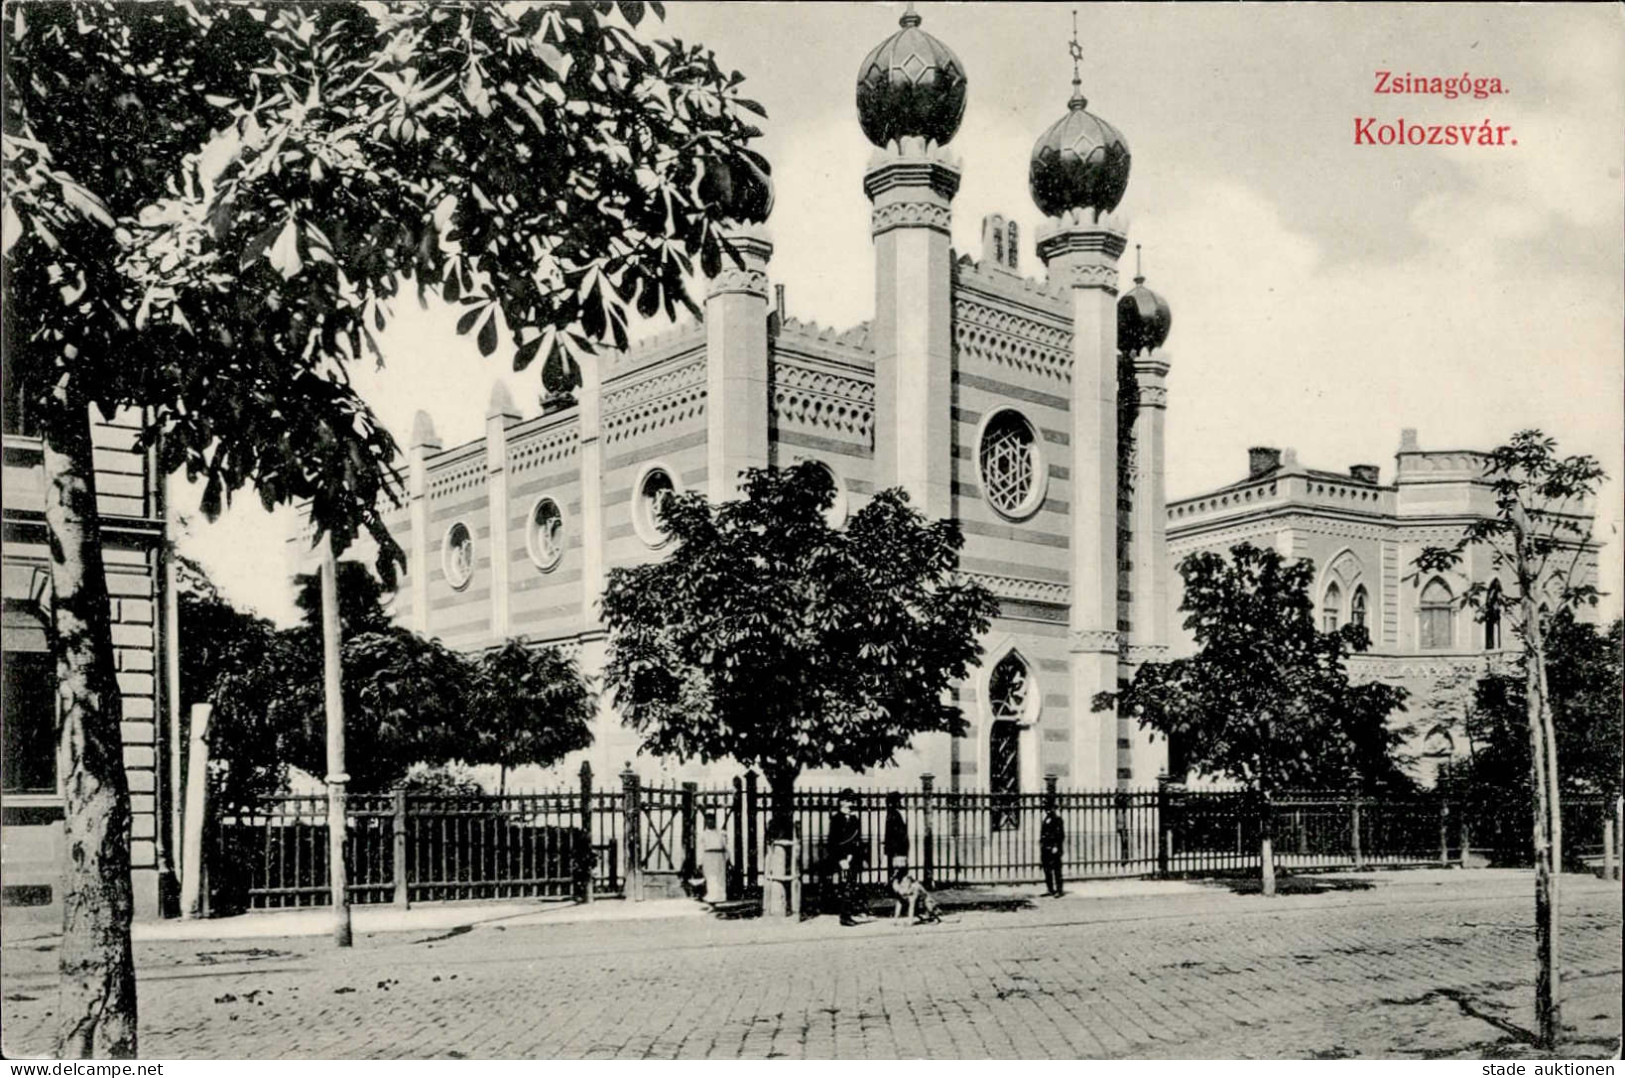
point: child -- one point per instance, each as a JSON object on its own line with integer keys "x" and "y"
{"x": 921, "y": 906}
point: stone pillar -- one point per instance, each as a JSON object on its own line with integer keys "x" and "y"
{"x": 1081, "y": 251}
{"x": 424, "y": 442}
{"x": 500, "y": 413}
{"x": 1149, "y": 615}
{"x": 912, "y": 186}
{"x": 736, "y": 404}
{"x": 593, "y": 642}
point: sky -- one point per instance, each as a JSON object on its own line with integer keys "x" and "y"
{"x": 1325, "y": 294}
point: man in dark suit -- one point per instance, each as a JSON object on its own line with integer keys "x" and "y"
{"x": 846, "y": 853}
{"x": 1051, "y": 836}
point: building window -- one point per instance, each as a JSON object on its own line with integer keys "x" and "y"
{"x": 1012, "y": 247}
{"x": 653, "y": 490}
{"x": 835, "y": 515}
{"x": 545, "y": 536}
{"x": 28, "y": 702}
{"x": 1012, "y": 471}
{"x": 1437, "y": 617}
{"x": 1492, "y": 616}
{"x": 1357, "y": 608}
{"x": 1331, "y": 609}
{"x": 1009, "y": 699}
{"x": 457, "y": 555}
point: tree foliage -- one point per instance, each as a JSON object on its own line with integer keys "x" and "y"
{"x": 771, "y": 638}
{"x": 212, "y": 208}
{"x": 527, "y": 706}
{"x": 1267, "y": 699}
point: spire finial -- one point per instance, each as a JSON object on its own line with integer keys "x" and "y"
{"x": 911, "y": 18}
{"x": 1139, "y": 274}
{"x": 1076, "y": 51}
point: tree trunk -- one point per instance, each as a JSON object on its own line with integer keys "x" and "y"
{"x": 1266, "y": 845}
{"x": 96, "y": 1008}
{"x": 781, "y": 782}
{"x": 1543, "y": 783}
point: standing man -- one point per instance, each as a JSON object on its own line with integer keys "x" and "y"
{"x": 1051, "y": 835}
{"x": 846, "y": 851}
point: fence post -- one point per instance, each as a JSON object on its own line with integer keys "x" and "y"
{"x": 953, "y": 830}
{"x": 1444, "y": 831}
{"x": 928, "y": 811}
{"x": 588, "y": 862}
{"x": 1120, "y": 809}
{"x": 736, "y": 864}
{"x": 691, "y": 862}
{"x": 632, "y": 834}
{"x": 403, "y": 898}
{"x": 795, "y": 872}
{"x": 1607, "y": 848}
{"x": 1354, "y": 828}
{"x": 1619, "y": 836}
{"x": 752, "y": 845}
{"x": 1165, "y": 834}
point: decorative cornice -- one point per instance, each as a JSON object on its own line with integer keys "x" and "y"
{"x": 1022, "y": 588}
{"x": 1093, "y": 641}
{"x": 736, "y": 281}
{"x": 930, "y": 215}
{"x": 1084, "y": 275}
{"x": 1153, "y": 396}
{"x": 1146, "y": 653}
{"x": 985, "y": 331}
{"x": 890, "y": 173}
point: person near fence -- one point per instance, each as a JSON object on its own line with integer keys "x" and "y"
{"x": 846, "y": 854}
{"x": 714, "y": 860}
{"x": 1051, "y": 837}
{"x": 896, "y": 841}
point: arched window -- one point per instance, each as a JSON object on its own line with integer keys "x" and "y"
{"x": 1492, "y": 616}
{"x": 1009, "y": 699}
{"x": 1331, "y": 609}
{"x": 998, "y": 245}
{"x": 1012, "y": 477}
{"x": 1012, "y": 247}
{"x": 1436, "y": 626}
{"x": 1357, "y": 608}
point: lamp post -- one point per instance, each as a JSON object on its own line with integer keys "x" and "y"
{"x": 333, "y": 693}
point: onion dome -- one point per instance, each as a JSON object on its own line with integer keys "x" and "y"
{"x": 1143, "y": 317}
{"x": 741, "y": 186}
{"x": 1082, "y": 161}
{"x": 911, "y": 84}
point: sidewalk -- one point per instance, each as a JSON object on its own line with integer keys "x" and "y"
{"x": 470, "y": 916}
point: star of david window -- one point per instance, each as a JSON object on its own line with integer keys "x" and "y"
{"x": 457, "y": 555}
{"x": 546, "y": 538}
{"x": 1012, "y": 471}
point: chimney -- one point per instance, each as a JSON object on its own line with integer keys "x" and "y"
{"x": 1364, "y": 473}
{"x": 1408, "y": 442}
{"x": 1261, "y": 460}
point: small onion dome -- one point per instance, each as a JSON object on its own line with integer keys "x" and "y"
{"x": 911, "y": 84}
{"x": 1080, "y": 162}
{"x": 1143, "y": 319}
{"x": 742, "y": 187}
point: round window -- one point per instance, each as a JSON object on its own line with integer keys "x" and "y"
{"x": 654, "y": 489}
{"x": 1012, "y": 470}
{"x": 457, "y": 555}
{"x": 835, "y": 515}
{"x": 545, "y": 538}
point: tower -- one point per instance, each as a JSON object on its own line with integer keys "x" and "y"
{"x": 1143, "y": 322}
{"x": 1078, "y": 173}
{"x": 911, "y": 97}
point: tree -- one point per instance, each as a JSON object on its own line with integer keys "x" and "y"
{"x": 527, "y": 706}
{"x": 1266, "y": 700}
{"x": 1537, "y": 546}
{"x": 770, "y": 637}
{"x": 208, "y": 211}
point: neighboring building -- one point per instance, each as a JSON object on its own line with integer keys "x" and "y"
{"x": 134, "y": 542}
{"x": 989, "y": 396}
{"x": 1363, "y": 538}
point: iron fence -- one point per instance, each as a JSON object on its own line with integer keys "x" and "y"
{"x": 633, "y": 840}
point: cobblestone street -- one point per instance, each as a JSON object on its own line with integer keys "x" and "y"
{"x": 1415, "y": 964}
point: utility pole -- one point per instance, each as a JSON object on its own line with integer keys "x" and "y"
{"x": 333, "y": 691}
